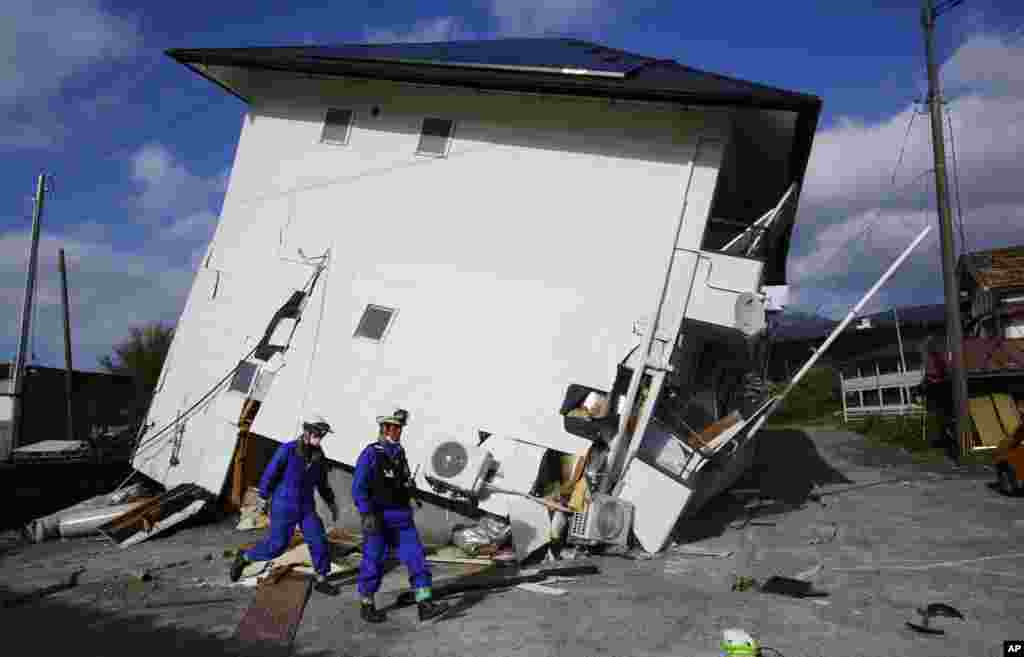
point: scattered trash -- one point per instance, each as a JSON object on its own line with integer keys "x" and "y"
{"x": 738, "y": 643}
{"x": 793, "y": 588}
{"x": 173, "y": 507}
{"x": 48, "y": 527}
{"x": 540, "y": 588}
{"x": 487, "y": 582}
{"x": 696, "y": 552}
{"x": 934, "y": 610}
{"x": 251, "y": 517}
{"x": 807, "y": 575}
{"x": 453, "y": 554}
{"x": 488, "y": 533}
{"x": 744, "y": 583}
{"x": 187, "y": 603}
{"x": 824, "y": 535}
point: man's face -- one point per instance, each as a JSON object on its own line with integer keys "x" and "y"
{"x": 391, "y": 431}
{"x": 313, "y": 438}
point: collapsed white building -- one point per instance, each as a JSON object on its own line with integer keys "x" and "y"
{"x": 482, "y": 233}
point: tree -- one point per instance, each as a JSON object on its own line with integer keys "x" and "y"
{"x": 141, "y": 356}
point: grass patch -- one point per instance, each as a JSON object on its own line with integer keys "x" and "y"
{"x": 908, "y": 433}
{"x": 813, "y": 402}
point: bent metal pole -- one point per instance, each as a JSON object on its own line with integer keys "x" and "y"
{"x": 839, "y": 329}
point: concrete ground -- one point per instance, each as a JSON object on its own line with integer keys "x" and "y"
{"x": 881, "y": 534}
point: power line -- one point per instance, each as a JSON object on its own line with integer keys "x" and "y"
{"x": 906, "y": 136}
{"x": 943, "y": 7}
{"x": 964, "y": 248}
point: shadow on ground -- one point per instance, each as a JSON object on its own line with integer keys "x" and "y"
{"x": 53, "y": 626}
{"x": 785, "y": 471}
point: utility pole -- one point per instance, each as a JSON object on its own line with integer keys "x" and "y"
{"x": 904, "y": 391}
{"x": 18, "y": 376}
{"x": 954, "y": 330}
{"x": 67, "y": 345}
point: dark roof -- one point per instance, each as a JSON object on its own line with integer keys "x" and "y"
{"x": 546, "y": 65}
{"x": 982, "y": 357}
{"x": 5, "y": 372}
{"x": 996, "y": 268}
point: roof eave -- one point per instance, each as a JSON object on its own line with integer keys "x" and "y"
{"x": 474, "y": 77}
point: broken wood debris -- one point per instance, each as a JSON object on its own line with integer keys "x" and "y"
{"x": 173, "y": 507}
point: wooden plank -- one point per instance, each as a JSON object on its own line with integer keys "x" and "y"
{"x": 983, "y": 412}
{"x": 1009, "y": 417}
{"x": 269, "y": 625}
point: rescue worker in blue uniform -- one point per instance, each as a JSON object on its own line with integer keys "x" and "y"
{"x": 296, "y": 468}
{"x": 382, "y": 489}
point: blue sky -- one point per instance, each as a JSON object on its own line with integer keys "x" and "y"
{"x": 140, "y": 148}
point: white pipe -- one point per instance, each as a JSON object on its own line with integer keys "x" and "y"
{"x": 839, "y": 329}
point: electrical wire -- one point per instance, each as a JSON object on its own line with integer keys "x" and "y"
{"x": 149, "y": 442}
{"x": 906, "y": 136}
{"x": 943, "y": 7}
{"x": 964, "y": 247}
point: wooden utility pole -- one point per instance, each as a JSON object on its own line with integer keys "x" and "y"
{"x": 67, "y": 344}
{"x": 18, "y": 375}
{"x": 954, "y": 329}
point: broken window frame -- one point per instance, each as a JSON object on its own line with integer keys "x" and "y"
{"x": 392, "y": 313}
{"x": 448, "y": 138}
{"x": 324, "y": 139}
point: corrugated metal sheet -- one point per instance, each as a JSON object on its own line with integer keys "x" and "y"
{"x": 998, "y": 268}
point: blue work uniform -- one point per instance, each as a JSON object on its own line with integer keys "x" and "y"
{"x": 289, "y": 480}
{"x": 381, "y": 485}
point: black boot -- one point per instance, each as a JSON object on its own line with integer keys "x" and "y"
{"x": 369, "y": 613}
{"x": 325, "y": 587}
{"x": 429, "y": 609}
{"x": 237, "y": 566}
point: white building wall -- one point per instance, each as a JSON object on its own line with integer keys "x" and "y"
{"x": 518, "y": 264}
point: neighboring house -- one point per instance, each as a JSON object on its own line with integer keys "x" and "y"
{"x": 100, "y": 402}
{"x": 992, "y": 293}
{"x": 881, "y": 360}
{"x": 884, "y": 381}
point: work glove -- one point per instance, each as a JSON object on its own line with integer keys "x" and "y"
{"x": 371, "y": 523}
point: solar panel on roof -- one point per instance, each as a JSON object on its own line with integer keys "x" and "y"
{"x": 564, "y": 56}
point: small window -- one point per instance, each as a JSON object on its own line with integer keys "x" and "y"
{"x": 337, "y": 125}
{"x": 870, "y": 398}
{"x": 243, "y": 377}
{"x": 435, "y": 137}
{"x": 853, "y": 399}
{"x": 375, "y": 322}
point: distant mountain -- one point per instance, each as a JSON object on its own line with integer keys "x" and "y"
{"x": 797, "y": 325}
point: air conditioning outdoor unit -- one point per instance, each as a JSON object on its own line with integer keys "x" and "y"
{"x": 606, "y": 520}
{"x": 456, "y": 467}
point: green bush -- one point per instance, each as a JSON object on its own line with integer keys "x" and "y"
{"x": 814, "y": 399}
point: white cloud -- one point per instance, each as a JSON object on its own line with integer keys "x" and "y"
{"x": 43, "y": 45}
{"x": 512, "y": 18}
{"x": 173, "y": 198}
{"x": 441, "y": 28}
{"x": 540, "y": 17}
{"x": 110, "y": 290}
{"x": 849, "y": 183}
